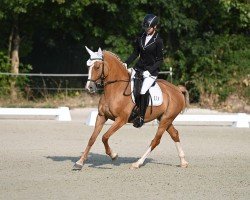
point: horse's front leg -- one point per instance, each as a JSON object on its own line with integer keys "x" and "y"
{"x": 100, "y": 120}
{"x": 119, "y": 122}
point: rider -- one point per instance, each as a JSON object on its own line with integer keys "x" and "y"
{"x": 149, "y": 47}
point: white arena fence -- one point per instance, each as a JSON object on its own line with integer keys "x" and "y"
{"x": 61, "y": 113}
{"x": 68, "y": 88}
{"x": 240, "y": 120}
{"x": 170, "y": 72}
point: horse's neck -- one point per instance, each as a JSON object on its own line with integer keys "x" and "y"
{"x": 116, "y": 80}
{"x": 117, "y": 74}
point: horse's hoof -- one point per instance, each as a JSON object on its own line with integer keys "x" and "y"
{"x": 114, "y": 156}
{"x": 135, "y": 166}
{"x": 77, "y": 166}
{"x": 184, "y": 165}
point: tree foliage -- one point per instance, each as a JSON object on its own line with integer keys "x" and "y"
{"x": 206, "y": 42}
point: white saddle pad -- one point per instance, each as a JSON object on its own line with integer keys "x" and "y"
{"x": 155, "y": 93}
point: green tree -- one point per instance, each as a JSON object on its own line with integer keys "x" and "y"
{"x": 16, "y": 17}
{"x": 206, "y": 42}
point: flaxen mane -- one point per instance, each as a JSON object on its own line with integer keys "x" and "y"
{"x": 116, "y": 56}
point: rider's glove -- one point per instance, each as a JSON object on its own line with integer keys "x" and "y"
{"x": 125, "y": 65}
{"x": 146, "y": 74}
{"x": 130, "y": 70}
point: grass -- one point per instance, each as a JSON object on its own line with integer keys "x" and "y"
{"x": 53, "y": 101}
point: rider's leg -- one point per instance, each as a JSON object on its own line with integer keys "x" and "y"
{"x": 147, "y": 83}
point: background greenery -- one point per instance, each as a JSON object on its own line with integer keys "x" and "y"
{"x": 207, "y": 43}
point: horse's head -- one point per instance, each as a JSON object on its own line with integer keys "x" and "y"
{"x": 97, "y": 71}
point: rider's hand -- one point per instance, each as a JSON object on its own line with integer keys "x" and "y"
{"x": 130, "y": 70}
{"x": 125, "y": 65}
{"x": 146, "y": 74}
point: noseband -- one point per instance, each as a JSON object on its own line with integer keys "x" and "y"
{"x": 102, "y": 84}
{"x": 102, "y": 77}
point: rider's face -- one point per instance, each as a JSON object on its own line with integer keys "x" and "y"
{"x": 150, "y": 30}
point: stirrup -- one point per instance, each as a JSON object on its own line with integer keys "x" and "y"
{"x": 133, "y": 114}
{"x": 138, "y": 122}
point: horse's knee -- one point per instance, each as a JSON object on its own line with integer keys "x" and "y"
{"x": 174, "y": 134}
{"x": 155, "y": 143}
{"x": 91, "y": 141}
{"x": 104, "y": 139}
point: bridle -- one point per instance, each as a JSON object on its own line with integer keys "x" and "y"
{"x": 102, "y": 77}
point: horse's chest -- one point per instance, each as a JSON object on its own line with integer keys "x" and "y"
{"x": 108, "y": 112}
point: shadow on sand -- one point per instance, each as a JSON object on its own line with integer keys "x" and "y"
{"x": 99, "y": 160}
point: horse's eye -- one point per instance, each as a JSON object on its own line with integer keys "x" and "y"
{"x": 97, "y": 67}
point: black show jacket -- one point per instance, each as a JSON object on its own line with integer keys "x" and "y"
{"x": 150, "y": 55}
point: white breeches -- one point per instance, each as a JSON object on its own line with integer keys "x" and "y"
{"x": 147, "y": 83}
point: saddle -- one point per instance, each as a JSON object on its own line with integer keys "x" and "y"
{"x": 154, "y": 93}
{"x": 153, "y": 96}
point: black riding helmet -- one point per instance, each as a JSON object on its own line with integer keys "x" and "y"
{"x": 150, "y": 21}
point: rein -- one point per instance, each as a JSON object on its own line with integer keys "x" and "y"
{"x": 102, "y": 77}
{"x": 115, "y": 81}
{"x": 104, "y": 84}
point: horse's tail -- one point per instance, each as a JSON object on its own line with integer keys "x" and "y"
{"x": 186, "y": 96}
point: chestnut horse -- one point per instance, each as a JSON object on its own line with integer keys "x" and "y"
{"x": 116, "y": 104}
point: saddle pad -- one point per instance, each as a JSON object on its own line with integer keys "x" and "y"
{"x": 155, "y": 92}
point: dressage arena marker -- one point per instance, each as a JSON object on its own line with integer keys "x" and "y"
{"x": 91, "y": 118}
{"x": 61, "y": 113}
{"x": 239, "y": 120}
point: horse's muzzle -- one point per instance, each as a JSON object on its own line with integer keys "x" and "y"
{"x": 91, "y": 87}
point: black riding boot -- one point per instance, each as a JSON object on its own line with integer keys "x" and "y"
{"x": 139, "y": 121}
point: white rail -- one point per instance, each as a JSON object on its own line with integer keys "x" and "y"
{"x": 64, "y": 75}
{"x": 61, "y": 113}
{"x": 240, "y": 120}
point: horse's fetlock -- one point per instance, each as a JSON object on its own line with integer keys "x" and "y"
{"x": 181, "y": 154}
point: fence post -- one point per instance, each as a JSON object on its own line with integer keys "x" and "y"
{"x": 64, "y": 114}
{"x": 171, "y": 74}
{"x": 242, "y": 121}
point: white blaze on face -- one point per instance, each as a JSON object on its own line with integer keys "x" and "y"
{"x": 89, "y": 77}
{"x": 90, "y": 63}
{"x": 94, "y": 56}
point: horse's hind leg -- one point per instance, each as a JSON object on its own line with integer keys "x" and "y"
{"x": 175, "y": 136}
{"x": 98, "y": 127}
{"x": 156, "y": 141}
{"x": 119, "y": 122}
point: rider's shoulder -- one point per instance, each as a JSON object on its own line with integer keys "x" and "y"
{"x": 138, "y": 36}
{"x": 159, "y": 38}
{"x": 141, "y": 34}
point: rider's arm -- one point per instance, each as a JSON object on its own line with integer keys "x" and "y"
{"x": 135, "y": 53}
{"x": 159, "y": 57}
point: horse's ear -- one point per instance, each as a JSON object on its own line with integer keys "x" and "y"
{"x": 91, "y": 53}
{"x": 99, "y": 51}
